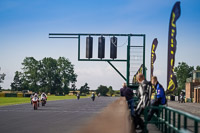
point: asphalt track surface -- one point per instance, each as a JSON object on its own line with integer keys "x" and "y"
{"x": 64, "y": 116}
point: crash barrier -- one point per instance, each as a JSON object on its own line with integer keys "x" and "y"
{"x": 113, "y": 119}
{"x": 19, "y": 94}
{"x": 2, "y": 94}
{"x": 171, "y": 120}
{"x": 10, "y": 94}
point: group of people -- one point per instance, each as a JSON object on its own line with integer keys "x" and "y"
{"x": 144, "y": 95}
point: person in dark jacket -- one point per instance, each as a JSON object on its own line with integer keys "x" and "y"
{"x": 128, "y": 94}
{"x": 160, "y": 98}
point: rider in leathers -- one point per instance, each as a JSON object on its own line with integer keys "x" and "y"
{"x": 43, "y": 95}
{"x": 144, "y": 95}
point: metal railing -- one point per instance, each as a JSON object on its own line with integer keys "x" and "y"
{"x": 171, "y": 120}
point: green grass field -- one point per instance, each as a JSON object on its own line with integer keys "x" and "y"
{"x": 20, "y": 100}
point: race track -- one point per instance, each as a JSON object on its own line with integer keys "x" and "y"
{"x": 64, "y": 116}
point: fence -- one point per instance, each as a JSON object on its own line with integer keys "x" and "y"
{"x": 171, "y": 120}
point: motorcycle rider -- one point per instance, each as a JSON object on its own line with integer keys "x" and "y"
{"x": 93, "y": 96}
{"x": 144, "y": 93}
{"x": 78, "y": 96}
{"x": 35, "y": 98}
{"x": 99, "y": 94}
{"x": 43, "y": 96}
{"x": 36, "y": 95}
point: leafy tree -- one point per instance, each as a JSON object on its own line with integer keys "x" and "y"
{"x": 66, "y": 70}
{"x": 2, "y": 77}
{"x": 198, "y": 68}
{"x": 48, "y": 75}
{"x": 111, "y": 91}
{"x": 85, "y": 89}
{"x": 103, "y": 90}
{"x": 66, "y": 89}
{"x": 19, "y": 83}
{"x": 183, "y": 71}
{"x": 16, "y": 85}
{"x": 31, "y": 73}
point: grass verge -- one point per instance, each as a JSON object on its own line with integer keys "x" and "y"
{"x": 20, "y": 100}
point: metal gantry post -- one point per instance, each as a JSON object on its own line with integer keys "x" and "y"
{"x": 79, "y": 43}
{"x": 128, "y": 61}
{"x": 144, "y": 68}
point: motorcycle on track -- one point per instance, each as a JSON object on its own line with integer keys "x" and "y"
{"x": 93, "y": 96}
{"x": 78, "y": 96}
{"x": 43, "y": 99}
{"x": 35, "y": 101}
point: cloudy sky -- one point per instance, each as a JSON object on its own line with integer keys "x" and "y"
{"x": 25, "y": 25}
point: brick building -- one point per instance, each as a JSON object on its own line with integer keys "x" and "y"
{"x": 191, "y": 83}
{"x": 197, "y": 94}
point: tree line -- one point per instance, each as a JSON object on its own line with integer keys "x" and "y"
{"x": 56, "y": 75}
{"x": 46, "y": 75}
{"x": 103, "y": 90}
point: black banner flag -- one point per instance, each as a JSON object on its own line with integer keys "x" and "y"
{"x": 139, "y": 71}
{"x": 171, "y": 78}
{"x": 153, "y": 54}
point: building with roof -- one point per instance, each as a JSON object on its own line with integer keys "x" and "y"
{"x": 191, "y": 86}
